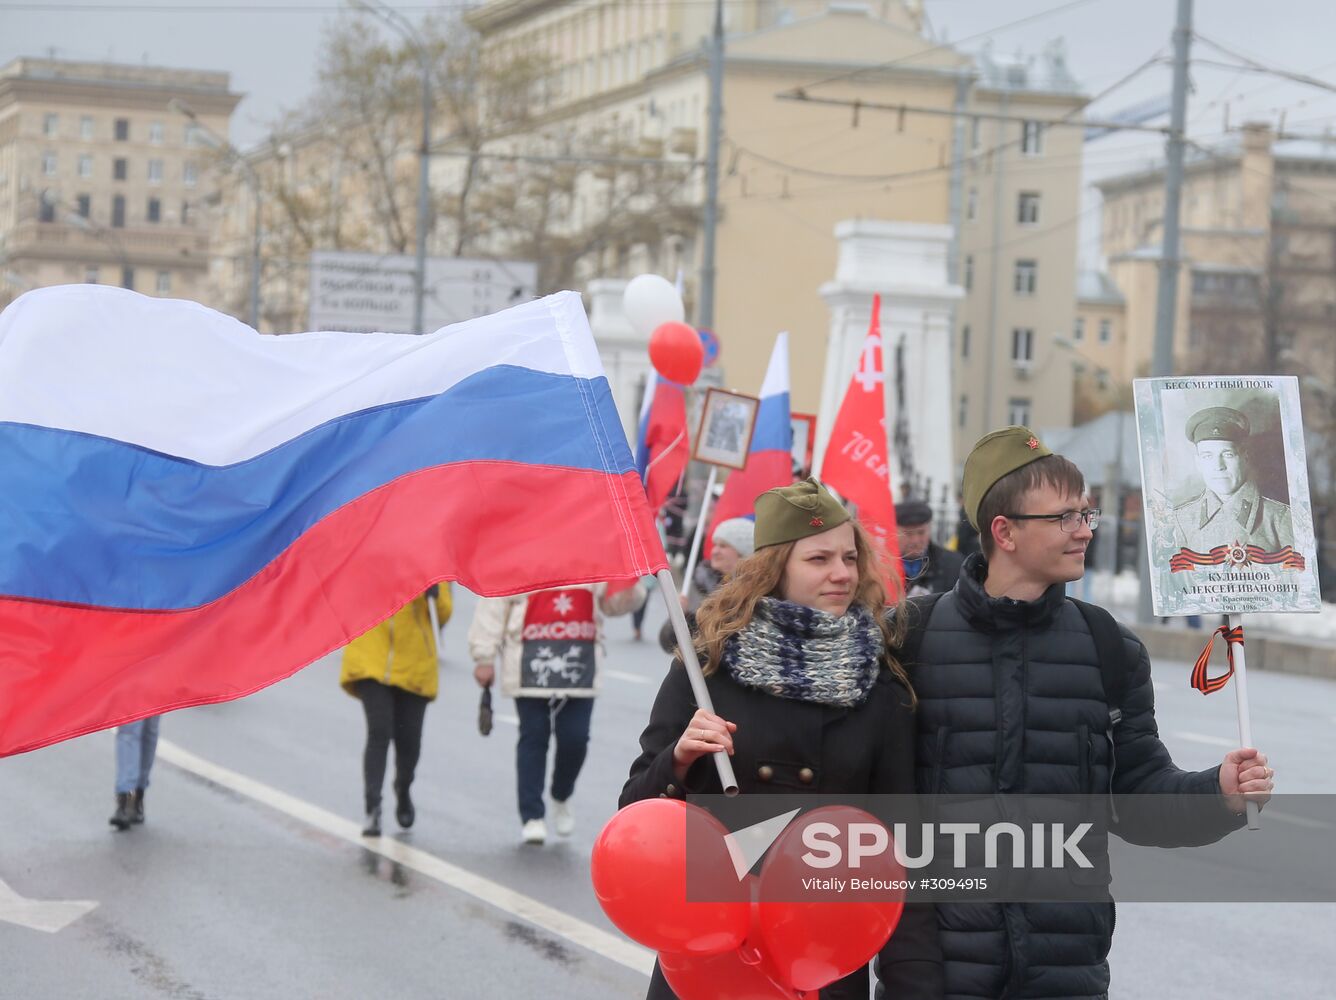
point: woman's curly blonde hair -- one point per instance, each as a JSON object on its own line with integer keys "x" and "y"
{"x": 730, "y": 608}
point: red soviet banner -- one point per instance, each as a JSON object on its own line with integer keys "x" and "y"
{"x": 855, "y": 464}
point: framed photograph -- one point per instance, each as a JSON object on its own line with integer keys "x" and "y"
{"x": 1225, "y": 486}
{"x": 804, "y": 436}
{"x": 727, "y": 421}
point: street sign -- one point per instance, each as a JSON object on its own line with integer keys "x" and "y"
{"x": 368, "y": 292}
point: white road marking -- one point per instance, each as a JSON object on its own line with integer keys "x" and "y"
{"x": 545, "y": 917}
{"x": 1214, "y": 741}
{"x": 622, "y": 675}
{"x": 50, "y": 915}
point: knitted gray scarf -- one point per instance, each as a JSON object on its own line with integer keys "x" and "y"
{"x": 797, "y": 652}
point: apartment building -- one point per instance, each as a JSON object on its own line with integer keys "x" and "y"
{"x": 1018, "y": 247}
{"x": 100, "y": 180}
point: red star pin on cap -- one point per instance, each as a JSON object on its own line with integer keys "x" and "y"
{"x": 1032, "y": 444}
{"x": 816, "y": 522}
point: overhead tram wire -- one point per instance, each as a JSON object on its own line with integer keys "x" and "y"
{"x": 977, "y": 156}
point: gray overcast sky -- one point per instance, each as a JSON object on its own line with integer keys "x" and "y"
{"x": 270, "y": 50}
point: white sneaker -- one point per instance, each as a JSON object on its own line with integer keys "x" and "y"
{"x": 562, "y": 818}
{"x": 535, "y": 831}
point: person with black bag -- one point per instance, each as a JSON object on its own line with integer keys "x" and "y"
{"x": 1025, "y": 691}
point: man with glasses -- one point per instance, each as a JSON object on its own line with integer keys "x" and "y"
{"x": 1024, "y": 691}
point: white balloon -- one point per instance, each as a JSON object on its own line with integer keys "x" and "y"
{"x": 650, "y": 301}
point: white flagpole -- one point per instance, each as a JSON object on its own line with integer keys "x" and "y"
{"x": 1241, "y": 697}
{"x": 700, "y": 528}
{"x": 688, "y": 652}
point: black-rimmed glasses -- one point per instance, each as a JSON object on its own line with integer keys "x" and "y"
{"x": 1069, "y": 520}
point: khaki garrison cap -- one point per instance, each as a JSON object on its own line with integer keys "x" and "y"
{"x": 789, "y": 513}
{"x": 996, "y": 455}
{"x": 1218, "y": 423}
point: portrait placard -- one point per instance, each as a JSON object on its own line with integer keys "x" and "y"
{"x": 1225, "y": 487}
{"x": 727, "y": 421}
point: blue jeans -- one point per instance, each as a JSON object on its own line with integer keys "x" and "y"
{"x": 539, "y": 718}
{"x": 136, "y": 744}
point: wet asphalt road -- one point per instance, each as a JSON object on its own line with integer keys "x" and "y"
{"x": 249, "y": 879}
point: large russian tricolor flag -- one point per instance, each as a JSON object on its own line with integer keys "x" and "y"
{"x": 661, "y": 440}
{"x": 191, "y": 511}
{"x": 770, "y": 459}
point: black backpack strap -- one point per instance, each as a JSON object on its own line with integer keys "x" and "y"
{"x": 1115, "y": 668}
{"x": 917, "y": 611}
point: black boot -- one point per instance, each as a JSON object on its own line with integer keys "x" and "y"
{"x": 403, "y": 810}
{"x": 124, "y": 814}
{"x": 137, "y": 806}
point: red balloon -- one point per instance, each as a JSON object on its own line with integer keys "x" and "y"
{"x": 639, "y": 869}
{"x": 815, "y": 937}
{"x": 676, "y": 352}
{"x": 740, "y": 974}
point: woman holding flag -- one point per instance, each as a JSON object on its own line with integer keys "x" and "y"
{"x": 796, "y": 651}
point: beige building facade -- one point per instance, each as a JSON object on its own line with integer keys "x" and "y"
{"x": 100, "y": 180}
{"x": 1018, "y": 247}
{"x": 793, "y": 170}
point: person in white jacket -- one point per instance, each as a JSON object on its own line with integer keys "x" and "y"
{"x": 550, "y": 644}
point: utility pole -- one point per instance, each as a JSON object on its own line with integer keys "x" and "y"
{"x": 1166, "y": 303}
{"x": 705, "y": 309}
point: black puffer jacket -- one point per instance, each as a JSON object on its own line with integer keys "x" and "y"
{"x": 1011, "y": 699}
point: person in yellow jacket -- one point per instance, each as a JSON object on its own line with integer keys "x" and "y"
{"x": 392, "y": 670}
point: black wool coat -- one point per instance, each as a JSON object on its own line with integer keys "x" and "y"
{"x": 786, "y": 746}
{"x": 1011, "y": 700}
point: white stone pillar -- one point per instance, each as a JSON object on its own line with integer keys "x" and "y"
{"x": 904, "y": 262}
{"x": 625, "y": 353}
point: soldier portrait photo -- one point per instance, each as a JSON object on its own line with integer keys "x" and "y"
{"x": 1235, "y": 497}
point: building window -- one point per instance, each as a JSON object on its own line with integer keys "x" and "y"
{"x": 1105, "y": 331}
{"x": 154, "y": 213}
{"x": 1027, "y": 208}
{"x": 85, "y": 166}
{"x": 46, "y": 211}
{"x": 965, "y": 341}
{"x": 91, "y": 274}
{"x": 49, "y": 164}
{"x": 1022, "y": 348}
{"x": 1078, "y": 328}
{"x": 1032, "y": 138}
{"x": 976, "y": 133}
{"x": 969, "y": 272}
{"x": 155, "y": 133}
{"x": 118, "y": 211}
{"x": 127, "y": 277}
{"x": 1027, "y": 276}
{"x": 972, "y": 205}
{"x": 962, "y": 412}
{"x": 189, "y": 175}
{"x": 50, "y": 124}
{"x": 1018, "y": 412}
{"x": 85, "y": 205}
{"x": 185, "y": 213}
{"x": 122, "y": 130}
{"x": 155, "y": 171}
{"x": 164, "y": 284}
{"x": 192, "y": 135}
{"x": 86, "y": 127}
{"x": 120, "y": 168}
